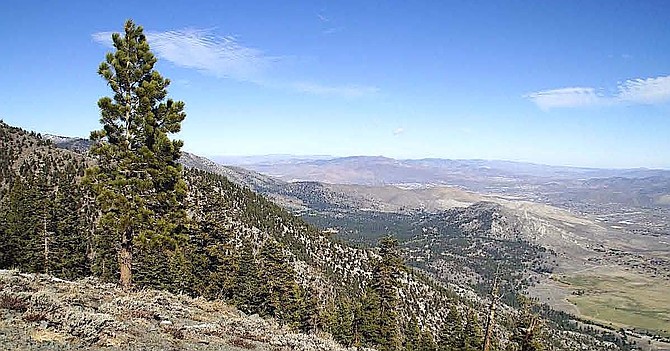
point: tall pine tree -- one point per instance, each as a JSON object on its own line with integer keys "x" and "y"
{"x": 380, "y": 321}
{"x": 137, "y": 180}
{"x": 451, "y": 334}
{"x": 527, "y": 334}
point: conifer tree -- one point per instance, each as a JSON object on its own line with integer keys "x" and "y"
{"x": 473, "y": 337}
{"x": 278, "y": 279}
{"x": 343, "y": 320}
{"x": 137, "y": 180}
{"x": 527, "y": 333}
{"x": 368, "y": 319}
{"x": 412, "y": 334}
{"x": 426, "y": 342}
{"x": 381, "y": 327}
{"x": 247, "y": 283}
{"x": 451, "y": 333}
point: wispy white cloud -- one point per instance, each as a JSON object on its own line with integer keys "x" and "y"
{"x": 322, "y": 18}
{"x": 223, "y": 57}
{"x": 565, "y": 97}
{"x": 645, "y": 91}
{"x": 398, "y": 131}
{"x": 632, "y": 91}
{"x": 350, "y": 91}
{"x": 330, "y": 23}
{"x": 226, "y": 57}
{"x": 332, "y": 30}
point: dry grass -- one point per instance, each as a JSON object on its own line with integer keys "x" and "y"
{"x": 143, "y": 314}
{"x": 44, "y": 335}
{"x": 34, "y": 316}
{"x": 242, "y": 343}
{"x": 175, "y": 332}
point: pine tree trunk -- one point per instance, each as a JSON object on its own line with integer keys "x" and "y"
{"x": 46, "y": 247}
{"x": 489, "y": 326}
{"x": 492, "y": 313}
{"x": 125, "y": 263}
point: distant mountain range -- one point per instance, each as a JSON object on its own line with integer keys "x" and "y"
{"x": 273, "y": 158}
{"x": 379, "y": 170}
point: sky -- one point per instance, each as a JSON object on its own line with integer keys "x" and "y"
{"x": 579, "y": 83}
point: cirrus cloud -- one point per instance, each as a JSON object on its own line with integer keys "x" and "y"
{"x": 653, "y": 90}
{"x": 645, "y": 91}
{"x": 225, "y": 57}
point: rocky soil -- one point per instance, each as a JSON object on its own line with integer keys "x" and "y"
{"x": 40, "y": 312}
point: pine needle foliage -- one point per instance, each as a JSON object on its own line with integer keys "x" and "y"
{"x": 137, "y": 181}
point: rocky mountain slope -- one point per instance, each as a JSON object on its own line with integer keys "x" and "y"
{"x": 40, "y": 312}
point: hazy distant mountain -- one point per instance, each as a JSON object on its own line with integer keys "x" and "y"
{"x": 273, "y": 158}
{"x": 377, "y": 170}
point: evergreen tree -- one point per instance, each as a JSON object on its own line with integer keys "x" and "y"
{"x": 70, "y": 244}
{"x": 412, "y": 334}
{"x": 426, "y": 342}
{"x": 281, "y": 295}
{"x": 137, "y": 180}
{"x": 247, "y": 287}
{"x": 343, "y": 328}
{"x": 473, "y": 337}
{"x": 451, "y": 333}
{"x": 380, "y": 322}
{"x": 305, "y": 317}
{"x": 527, "y": 332}
{"x": 368, "y": 321}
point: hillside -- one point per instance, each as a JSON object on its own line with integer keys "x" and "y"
{"x": 242, "y": 249}
{"x": 602, "y": 233}
{"x": 43, "y": 312}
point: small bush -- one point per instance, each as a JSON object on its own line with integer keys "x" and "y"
{"x": 34, "y": 316}
{"x": 242, "y": 343}
{"x": 176, "y": 333}
{"x": 144, "y": 314}
{"x": 13, "y": 303}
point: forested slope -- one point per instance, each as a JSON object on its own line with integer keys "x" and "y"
{"x": 241, "y": 248}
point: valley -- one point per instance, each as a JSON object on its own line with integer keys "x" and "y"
{"x": 561, "y": 247}
{"x": 600, "y": 238}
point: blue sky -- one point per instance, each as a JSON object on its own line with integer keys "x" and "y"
{"x": 583, "y": 83}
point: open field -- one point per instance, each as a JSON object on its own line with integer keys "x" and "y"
{"x": 621, "y": 298}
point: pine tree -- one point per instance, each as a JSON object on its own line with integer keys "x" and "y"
{"x": 473, "y": 337}
{"x": 381, "y": 326}
{"x": 426, "y": 342}
{"x": 527, "y": 333}
{"x": 70, "y": 243}
{"x": 278, "y": 280}
{"x": 451, "y": 333}
{"x": 343, "y": 320}
{"x": 412, "y": 334}
{"x": 137, "y": 180}
{"x": 247, "y": 287}
{"x": 368, "y": 319}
